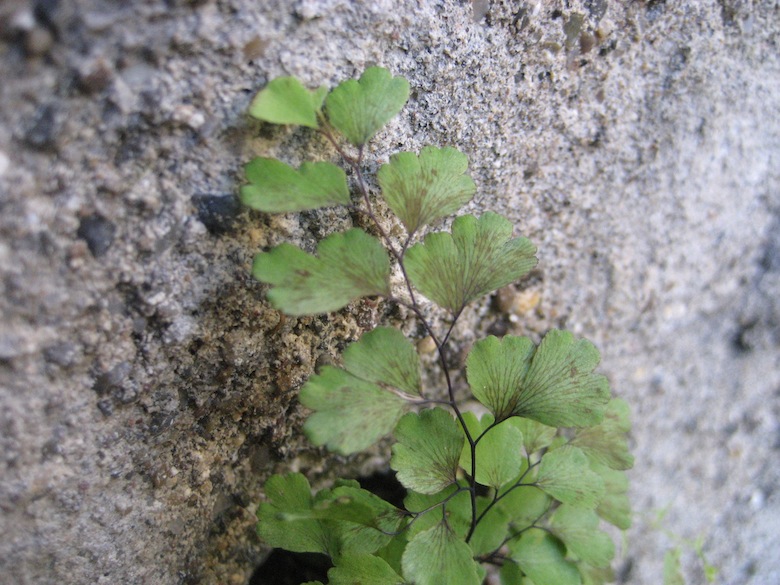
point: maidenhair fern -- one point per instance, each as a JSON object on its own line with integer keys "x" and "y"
{"x": 525, "y": 486}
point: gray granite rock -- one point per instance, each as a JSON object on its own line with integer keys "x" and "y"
{"x": 147, "y": 389}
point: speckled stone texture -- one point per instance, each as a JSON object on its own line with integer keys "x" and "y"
{"x": 147, "y": 389}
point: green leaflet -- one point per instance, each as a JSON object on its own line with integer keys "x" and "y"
{"x": 437, "y": 556}
{"x": 350, "y": 414}
{"x": 354, "y": 407}
{"x": 565, "y": 474}
{"x": 385, "y": 356}
{"x": 496, "y": 369}
{"x": 615, "y": 507}
{"x": 595, "y": 575}
{"x": 525, "y": 505}
{"x": 553, "y": 383}
{"x": 364, "y": 569}
{"x": 359, "y": 109}
{"x": 499, "y": 452}
{"x": 286, "y": 101}
{"x": 607, "y": 443}
{"x": 672, "y": 568}
{"x": 349, "y": 265}
{"x": 427, "y": 452}
{"x": 291, "y": 494}
{"x": 422, "y": 189}
{"x": 536, "y": 436}
{"x": 477, "y": 257}
{"x": 275, "y": 187}
{"x": 487, "y": 537}
{"x": 542, "y": 558}
{"x": 578, "y": 529}
{"x": 453, "y": 503}
{"x": 344, "y": 519}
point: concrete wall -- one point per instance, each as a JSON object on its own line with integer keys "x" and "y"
{"x": 146, "y": 388}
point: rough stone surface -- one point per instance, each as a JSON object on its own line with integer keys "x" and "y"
{"x": 147, "y": 390}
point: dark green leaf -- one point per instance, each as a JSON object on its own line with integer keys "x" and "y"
{"x": 542, "y": 557}
{"x": 498, "y": 454}
{"x": 275, "y": 187}
{"x": 362, "y": 569}
{"x": 359, "y": 109}
{"x": 436, "y": 556}
{"x": 553, "y": 383}
{"x": 565, "y": 474}
{"x": 422, "y": 189}
{"x": 578, "y": 528}
{"x": 385, "y": 356}
{"x": 350, "y": 265}
{"x": 607, "y": 443}
{"x": 350, "y": 414}
{"x": 427, "y": 452}
{"x": 453, "y": 269}
{"x": 286, "y": 101}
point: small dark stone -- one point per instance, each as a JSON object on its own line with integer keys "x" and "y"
{"x": 62, "y": 354}
{"x": 217, "y": 212}
{"x": 43, "y": 133}
{"x": 98, "y": 232}
{"x": 159, "y": 422}
{"x": 105, "y": 407}
{"x": 596, "y": 8}
{"x": 44, "y": 11}
{"x": 112, "y": 379}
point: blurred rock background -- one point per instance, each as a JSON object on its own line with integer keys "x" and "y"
{"x": 147, "y": 389}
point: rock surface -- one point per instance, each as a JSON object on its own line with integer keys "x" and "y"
{"x": 147, "y": 389}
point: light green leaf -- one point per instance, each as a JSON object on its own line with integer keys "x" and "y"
{"x": 560, "y": 388}
{"x": 362, "y": 569}
{"x": 565, "y": 474}
{"x": 427, "y": 452}
{"x": 275, "y": 187}
{"x": 286, "y": 101}
{"x": 553, "y": 383}
{"x": 672, "y": 569}
{"x": 453, "y": 269}
{"x": 542, "y": 557}
{"x": 525, "y": 505}
{"x": 437, "y": 556}
{"x": 422, "y": 189}
{"x": 615, "y": 508}
{"x": 511, "y": 574}
{"x": 596, "y": 576}
{"x": 496, "y": 369}
{"x": 578, "y": 528}
{"x": 350, "y": 414}
{"x": 607, "y": 443}
{"x": 431, "y": 513}
{"x": 359, "y": 109}
{"x": 385, "y": 356}
{"x": 291, "y": 495}
{"x": 499, "y": 453}
{"x": 392, "y": 552}
{"x": 536, "y": 436}
{"x": 350, "y": 265}
{"x": 491, "y": 531}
